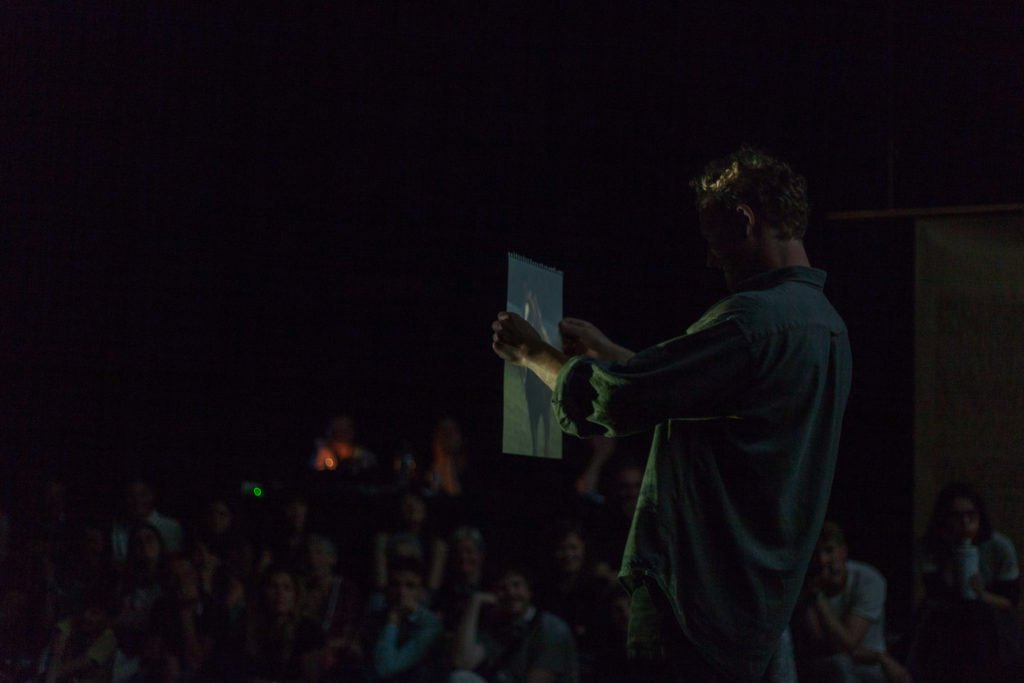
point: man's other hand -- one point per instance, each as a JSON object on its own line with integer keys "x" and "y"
{"x": 514, "y": 339}
{"x": 581, "y": 338}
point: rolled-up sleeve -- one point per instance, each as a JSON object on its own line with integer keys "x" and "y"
{"x": 699, "y": 375}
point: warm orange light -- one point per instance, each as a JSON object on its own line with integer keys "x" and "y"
{"x": 330, "y": 464}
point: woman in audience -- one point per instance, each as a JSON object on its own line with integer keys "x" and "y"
{"x": 332, "y": 601}
{"x": 275, "y": 642}
{"x": 141, "y": 587}
{"x": 464, "y": 576}
{"x": 410, "y": 539}
{"x": 568, "y": 588}
{"x": 966, "y": 629}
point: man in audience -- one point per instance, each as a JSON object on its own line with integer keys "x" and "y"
{"x": 404, "y": 642}
{"x": 140, "y": 507}
{"x": 514, "y": 642}
{"x": 839, "y": 625}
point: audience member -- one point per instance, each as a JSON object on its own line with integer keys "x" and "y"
{"x": 609, "y": 522}
{"x": 966, "y": 628}
{"x": 449, "y": 460}
{"x": 410, "y": 539}
{"x": 140, "y": 507}
{"x": 569, "y": 589}
{"x": 339, "y": 451}
{"x": 275, "y": 642}
{"x": 83, "y": 645}
{"x": 839, "y": 625}
{"x": 404, "y": 636}
{"x": 218, "y": 581}
{"x": 288, "y": 538}
{"x": 514, "y": 642}
{"x": 331, "y": 600}
{"x": 220, "y": 530}
{"x": 464, "y": 577}
{"x": 140, "y": 588}
{"x": 611, "y": 663}
{"x": 187, "y": 625}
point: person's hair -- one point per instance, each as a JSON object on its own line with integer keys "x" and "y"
{"x": 935, "y": 536}
{"x": 517, "y": 569}
{"x": 775, "y": 192}
{"x": 832, "y": 532}
{"x": 267, "y": 640}
{"x": 471, "y": 534}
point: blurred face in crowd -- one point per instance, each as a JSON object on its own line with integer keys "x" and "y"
{"x": 141, "y": 500}
{"x": 964, "y": 520}
{"x": 514, "y": 594}
{"x": 448, "y": 436}
{"x": 93, "y": 620}
{"x": 218, "y": 517}
{"x": 405, "y": 590}
{"x": 413, "y": 510}
{"x": 280, "y": 594}
{"x": 186, "y": 579}
{"x": 295, "y": 512}
{"x": 467, "y": 559}
{"x": 627, "y": 489}
{"x": 830, "y": 556}
{"x": 146, "y": 545}
{"x": 570, "y": 554}
{"x": 322, "y": 559}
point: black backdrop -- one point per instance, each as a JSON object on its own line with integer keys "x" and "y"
{"x": 223, "y": 224}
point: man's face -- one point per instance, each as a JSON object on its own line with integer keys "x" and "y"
{"x": 405, "y": 590}
{"x": 279, "y": 594}
{"x": 570, "y": 554}
{"x": 627, "y": 489}
{"x": 831, "y": 561}
{"x": 728, "y": 244}
{"x": 514, "y": 595}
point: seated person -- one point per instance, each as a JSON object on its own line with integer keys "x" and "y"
{"x": 274, "y": 642}
{"x": 972, "y": 634}
{"x": 339, "y": 451}
{"x": 961, "y": 515}
{"x": 187, "y": 624}
{"x": 140, "y": 508}
{"x": 464, "y": 577}
{"x": 403, "y": 638}
{"x": 513, "y": 641}
{"x": 839, "y": 624}
{"x": 84, "y": 645}
{"x": 410, "y": 538}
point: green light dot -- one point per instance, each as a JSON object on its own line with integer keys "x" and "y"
{"x": 257, "y": 491}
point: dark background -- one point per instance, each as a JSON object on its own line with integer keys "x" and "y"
{"x": 223, "y": 224}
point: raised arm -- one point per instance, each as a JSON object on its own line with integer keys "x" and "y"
{"x": 468, "y": 653}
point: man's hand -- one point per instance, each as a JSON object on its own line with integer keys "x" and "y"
{"x": 514, "y": 339}
{"x": 894, "y": 671}
{"x": 580, "y": 338}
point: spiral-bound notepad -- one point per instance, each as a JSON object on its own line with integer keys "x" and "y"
{"x": 529, "y": 426}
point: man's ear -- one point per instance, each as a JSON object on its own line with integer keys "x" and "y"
{"x": 748, "y": 213}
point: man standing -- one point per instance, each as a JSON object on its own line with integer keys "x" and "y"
{"x": 746, "y": 409}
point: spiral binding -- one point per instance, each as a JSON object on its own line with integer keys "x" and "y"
{"x": 531, "y": 262}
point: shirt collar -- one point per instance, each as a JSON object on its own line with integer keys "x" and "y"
{"x": 772, "y": 278}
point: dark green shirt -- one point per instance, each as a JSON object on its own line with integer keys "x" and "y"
{"x": 746, "y": 409}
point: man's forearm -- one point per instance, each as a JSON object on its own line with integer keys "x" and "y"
{"x": 546, "y": 363}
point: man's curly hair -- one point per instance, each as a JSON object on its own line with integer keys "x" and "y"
{"x": 749, "y": 176}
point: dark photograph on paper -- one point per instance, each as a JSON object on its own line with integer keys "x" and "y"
{"x": 529, "y": 426}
